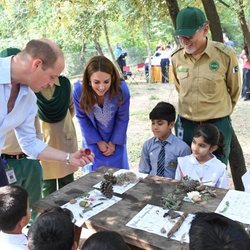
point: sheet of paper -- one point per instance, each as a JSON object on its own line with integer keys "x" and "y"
{"x": 96, "y": 198}
{"x": 246, "y": 181}
{"x": 150, "y": 219}
{"x": 236, "y": 206}
{"x": 122, "y": 189}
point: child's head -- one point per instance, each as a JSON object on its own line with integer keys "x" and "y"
{"x": 207, "y": 139}
{"x": 52, "y": 230}
{"x": 163, "y": 118}
{"x": 214, "y": 231}
{"x": 105, "y": 240}
{"x": 14, "y": 208}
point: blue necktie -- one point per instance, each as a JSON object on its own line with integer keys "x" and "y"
{"x": 161, "y": 159}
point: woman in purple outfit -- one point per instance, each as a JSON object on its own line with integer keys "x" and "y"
{"x": 102, "y": 109}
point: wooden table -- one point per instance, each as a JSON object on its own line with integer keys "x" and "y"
{"x": 147, "y": 191}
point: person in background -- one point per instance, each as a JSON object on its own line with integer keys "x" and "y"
{"x": 202, "y": 164}
{"x": 52, "y": 230}
{"x": 105, "y": 240}
{"x": 147, "y": 67}
{"x": 29, "y": 71}
{"x": 227, "y": 41}
{"x": 14, "y": 216}
{"x": 120, "y": 56}
{"x": 102, "y": 108}
{"x": 165, "y": 55}
{"x": 207, "y": 78}
{"x": 212, "y": 231}
{"x": 245, "y": 93}
{"x": 163, "y": 143}
{"x": 56, "y": 110}
{"x": 156, "y": 65}
{"x": 27, "y": 173}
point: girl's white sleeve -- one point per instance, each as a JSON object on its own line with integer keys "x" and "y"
{"x": 223, "y": 181}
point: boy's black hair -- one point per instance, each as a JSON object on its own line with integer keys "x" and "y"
{"x": 163, "y": 111}
{"x": 105, "y": 240}
{"x": 214, "y": 231}
{"x": 52, "y": 230}
{"x": 13, "y": 206}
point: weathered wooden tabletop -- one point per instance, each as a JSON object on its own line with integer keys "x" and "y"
{"x": 147, "y": 191}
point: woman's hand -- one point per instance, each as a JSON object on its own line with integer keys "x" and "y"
{"x": 110, "y": 150}
{"x": 103, "y": 146}
{"x": 106, "y": 148}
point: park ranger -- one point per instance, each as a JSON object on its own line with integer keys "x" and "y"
{"x": 206, "y": 76}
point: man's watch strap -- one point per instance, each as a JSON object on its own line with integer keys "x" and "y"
{"x": 67, "y": 159}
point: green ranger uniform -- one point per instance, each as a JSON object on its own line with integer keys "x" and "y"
{"x": 28, "y": 173}
{"x": 208, "y": 90}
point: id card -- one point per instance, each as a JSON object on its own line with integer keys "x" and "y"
{"x": 180, "y": 132}
{"x": 11, "y": 176}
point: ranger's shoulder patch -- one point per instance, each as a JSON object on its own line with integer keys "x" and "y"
{"x": 224, "y": 48}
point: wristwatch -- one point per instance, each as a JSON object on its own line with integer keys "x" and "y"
{"x": 68, "y": 159}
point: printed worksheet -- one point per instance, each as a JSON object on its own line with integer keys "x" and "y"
{"x": 123, "y": 188}
{"x": 94, "y": 202}
{"x": 151, "y": 219}
{"x": 236, "y": 206}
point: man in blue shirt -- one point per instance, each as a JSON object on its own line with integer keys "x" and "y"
{"x": 227, "y": 41}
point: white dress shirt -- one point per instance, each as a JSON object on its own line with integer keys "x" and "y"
{"x": 13, "y": 241}
{"x": 22, "y": 116}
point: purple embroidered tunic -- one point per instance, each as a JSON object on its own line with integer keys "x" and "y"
{"x": 107, "y": 123}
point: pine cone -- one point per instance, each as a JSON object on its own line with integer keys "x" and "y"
{"x": 128, "y": 177}
{"x": 188, "y": 184}
{"x": 107, "y": 189}
{"x": 110, "y": 177}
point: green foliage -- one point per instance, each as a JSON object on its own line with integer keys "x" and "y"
{"x": 137, "y": 24}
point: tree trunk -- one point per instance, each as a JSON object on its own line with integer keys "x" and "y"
{"x": 98, "y": 47}
{"x": 147, "y": 36}
{"x": 83, "y": 53}
{"x": 214, "y": 20}
{"x": 110, "y": 48}
{"x": 173, "y": 10}
{"x": 243, "y": 24}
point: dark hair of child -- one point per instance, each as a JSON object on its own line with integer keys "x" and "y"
{"x": 212, "y": 136}
{"x": 52, "y": 230}
{"x": 105, "y": 240}
{"x": 13, "y": 206}
{"x": 211, "y": 231}
{"x": 163, "y": 111}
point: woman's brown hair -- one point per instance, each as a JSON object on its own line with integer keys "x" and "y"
{"x": 95, "y": 64}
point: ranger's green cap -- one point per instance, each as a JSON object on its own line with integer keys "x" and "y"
{"x": 9, "y": 52}
{"x": 188, "y": 21}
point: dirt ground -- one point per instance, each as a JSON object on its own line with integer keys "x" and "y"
{"x": 145, "y": 96}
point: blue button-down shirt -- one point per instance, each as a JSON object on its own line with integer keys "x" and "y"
{"x": 22, "y": 116}
{"x": 174, "y": 148}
